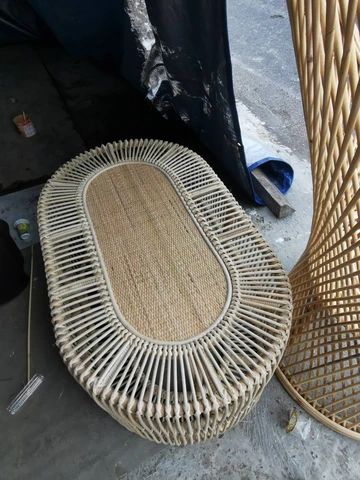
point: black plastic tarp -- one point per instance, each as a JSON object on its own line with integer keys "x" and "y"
{"x": 175, "y": 52}
{"x": 193, "y": 40}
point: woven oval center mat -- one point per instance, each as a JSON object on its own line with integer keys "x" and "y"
{"x": 166, "y": 280}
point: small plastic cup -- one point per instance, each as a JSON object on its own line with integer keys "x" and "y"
{"x": 22, "y": 226}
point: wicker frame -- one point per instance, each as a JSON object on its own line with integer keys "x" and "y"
{"x": 321, "y": 366}
{"x": 169, "y": 392}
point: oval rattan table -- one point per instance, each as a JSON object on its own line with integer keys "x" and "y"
{"x": 168, "y": 306}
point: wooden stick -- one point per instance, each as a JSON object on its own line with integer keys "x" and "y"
{"x": 271, "y": 195}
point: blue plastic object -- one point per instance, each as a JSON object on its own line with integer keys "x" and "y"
{"x": 259, "y": 155}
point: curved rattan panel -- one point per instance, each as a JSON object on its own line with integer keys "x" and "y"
{"x": 174, "y": 392}
{"x": 321, "y": 366}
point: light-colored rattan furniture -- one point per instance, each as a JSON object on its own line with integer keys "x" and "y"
{"x": 321, "y": 366}
{"x": 168, "y": 306}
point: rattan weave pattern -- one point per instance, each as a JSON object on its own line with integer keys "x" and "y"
{"x": 321, "y": 366}
{"x": 174, "y": 392}
{"x": 162, "y": 263}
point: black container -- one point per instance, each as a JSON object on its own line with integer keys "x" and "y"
{"x": 13, "y": 278}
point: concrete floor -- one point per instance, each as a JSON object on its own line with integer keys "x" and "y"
{"x": 62, "y": 434}
{"x": 28, "y": 89}
{"x": 264, "y": 71}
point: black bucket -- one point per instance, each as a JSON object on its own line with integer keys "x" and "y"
{"x": 13, "y": 278}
